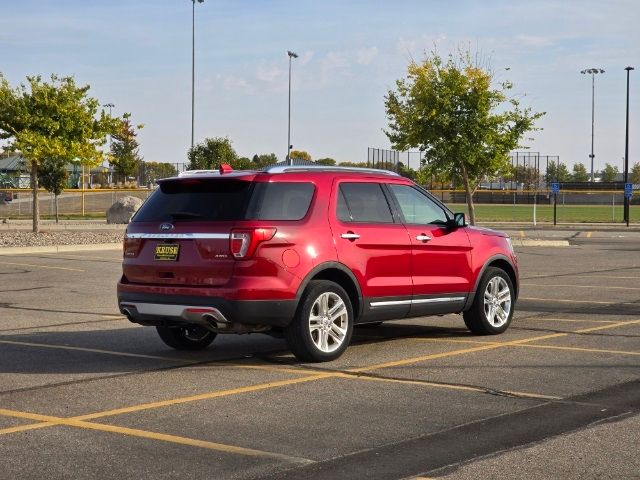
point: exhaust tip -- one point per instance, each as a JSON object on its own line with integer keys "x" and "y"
{"x": 127, "y": 313}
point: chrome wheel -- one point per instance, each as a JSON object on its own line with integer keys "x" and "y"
{"x": 497, "y": 302}
{"x": 328, "y": 322}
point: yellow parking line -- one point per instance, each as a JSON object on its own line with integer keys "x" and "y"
{"x": 587, "y": 276}
{"x": 42, "y": 266}
{"x": 593, "y": 287}
{"x": 220, "y": 447}
{"x": 93, "y": 350}
{"x": 606, "y": 327}
{"x": 580, "y": 349}
{"x": 589, "y": 234}
{"x": 522, "y": 234}
{"x": 570, "y": 320}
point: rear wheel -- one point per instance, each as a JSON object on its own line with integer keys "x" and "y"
{"x": 190, "y": 337}
{"x": 492, "y": 308}
{"x": 322, "y": 327}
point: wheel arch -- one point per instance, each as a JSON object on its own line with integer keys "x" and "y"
{"x": 505, "y": 264}
{"x": 341, "y": 275}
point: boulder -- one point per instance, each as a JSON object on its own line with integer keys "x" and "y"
{"x": 123, "y": 209}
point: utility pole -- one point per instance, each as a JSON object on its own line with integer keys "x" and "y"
{"x": 592, "y": 72}
{"x": 193, "y": 64}
{"x": 291, "y": 56}
{"x": 626, "y": 152}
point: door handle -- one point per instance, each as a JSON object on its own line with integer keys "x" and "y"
{"x": 350, "y": 236}
{"x": 423, "y": 238}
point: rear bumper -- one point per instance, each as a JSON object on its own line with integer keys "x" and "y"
{"x": 156, "y": 309}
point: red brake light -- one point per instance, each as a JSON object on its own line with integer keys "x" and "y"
{"x": 243, "y": 243}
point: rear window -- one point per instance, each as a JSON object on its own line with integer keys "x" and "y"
{"x": 215, "y": 200}
{"x": 226, "y": 200}
{"x": 280, "y": 201}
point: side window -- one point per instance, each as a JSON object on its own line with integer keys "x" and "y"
{"x": 363, "y": 202}
{"x": 416, "y": 207}
{"x": 280, "y": 201}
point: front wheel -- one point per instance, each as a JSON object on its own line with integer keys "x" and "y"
{"x": 492, "y": 308}
{"x": 322, "y": 327}
{"x": 192, "y": 337}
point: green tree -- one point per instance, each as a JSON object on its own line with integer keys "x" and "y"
{"x": 157, "y": 170}
{"x": 557, "y": 172}
{"x": 450, "y": 111}
{"x": 125, "y": 151}
{"x": 527, "y": 176}
{"x": 325, "y": 161}
{"x": 264, "y": 160}
{"x": 299, "y": 155}
{"x": 609, "y": 173}
{"x": 580, "y": 173}
{"x": 634, "y": 174}
{"x": 242, "y": 163}
{"x": 211, "y": 153}
{"x": 53, "y": 177}
{"x": 55, "y": 119}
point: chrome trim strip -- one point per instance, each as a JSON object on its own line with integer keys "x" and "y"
{"x": 326, "y": 168}
{"x": 179, "y": 236}
{"x": 390, "y": 303}
{"x": 416, "y": 302}
{"x": 438, "y": 300}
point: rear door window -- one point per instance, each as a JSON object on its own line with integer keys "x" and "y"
{"x": 280, "y": 201}
{"x": 196, "y": 200}
{"x": 363, "y": 202}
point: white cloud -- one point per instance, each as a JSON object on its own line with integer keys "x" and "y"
{"x": 269, "y": 73}
{"x": 305, "y": 57}
{"x": 365, "y": 56}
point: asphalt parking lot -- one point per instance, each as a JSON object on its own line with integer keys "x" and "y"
{"x": 86, "y": 394}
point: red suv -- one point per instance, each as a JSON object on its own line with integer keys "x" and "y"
{"x": 307, "y": 252}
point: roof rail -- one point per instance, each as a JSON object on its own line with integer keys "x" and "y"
{"x": 187, "y": 173}
{"x": 326, "y": 168}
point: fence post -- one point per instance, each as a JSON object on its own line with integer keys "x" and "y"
{"x": 82, "y": 194}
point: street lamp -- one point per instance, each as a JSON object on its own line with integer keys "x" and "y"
{"x": 291, "y": 55}
{"x": 193, "y": 62}
{"x": 626, "y": 151}
{"x": 592, "y": 72}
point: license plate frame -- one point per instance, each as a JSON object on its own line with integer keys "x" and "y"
{"x": 166, "y": 252}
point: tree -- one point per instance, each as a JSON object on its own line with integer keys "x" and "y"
{"x": 264, "y": 160}
{"x": 125, "y": 156}
{"x": 634, "y": 174}
{"x": 325, "y": 161}
{"x": 52, "y": 120}
{"x": 527, "y": 176}
{"x": 242, "y": 163}
{"x": 53, "y": 177}
{"x": 450, "y": 112}
{"x": 157, "y": 170}
{"x": 557, "y": 172}
{"x": 609, "y": 173}
{"x": 580, "y": 173}
{"x": 211, "y": 153}
{"x": 299, "y": 155}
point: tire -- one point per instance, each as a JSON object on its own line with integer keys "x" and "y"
{"x": 492, "y": 308}
{"x": 190, "y": 337}
{"x": 314, "y": 335}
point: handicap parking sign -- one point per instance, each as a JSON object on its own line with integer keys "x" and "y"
{"x": 555, "y": 187}
{"x": 628, "y": 190}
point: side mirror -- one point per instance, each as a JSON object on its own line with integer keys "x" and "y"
{"x": 458, "y": 220}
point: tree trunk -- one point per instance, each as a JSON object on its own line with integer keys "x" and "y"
{"x": 36, "y": 205}
{"x": 467, "y": 187}
{"x": 56, "y": 202}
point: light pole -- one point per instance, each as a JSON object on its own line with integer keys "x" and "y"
{"x": 592, "y": 72}
{"x": 291, "y": 56}
{"x": 193, "y": 63}
{"x": 626, "y": 151}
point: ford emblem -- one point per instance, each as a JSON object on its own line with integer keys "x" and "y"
{"x": 166, "y": 226}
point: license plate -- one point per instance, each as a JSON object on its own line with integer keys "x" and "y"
{"x": 167, "y": 252}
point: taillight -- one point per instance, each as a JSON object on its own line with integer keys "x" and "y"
{"x": 131, "y": 247}
{"x": 243, "y": 243}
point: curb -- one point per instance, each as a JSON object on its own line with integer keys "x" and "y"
{"x": 540, "y": 243}
{"x": 60, "y": 248}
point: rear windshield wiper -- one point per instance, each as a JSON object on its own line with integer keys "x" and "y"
{"x": 184, "y": 215}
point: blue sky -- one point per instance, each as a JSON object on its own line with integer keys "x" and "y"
{"x": 137, "y": 55}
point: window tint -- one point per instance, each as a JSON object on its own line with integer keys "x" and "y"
{"x": 280, "y": 201}
{"x": 195, "y": 200}
{"x": 416, "y": 207}
{"x": 363, "y": 202}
